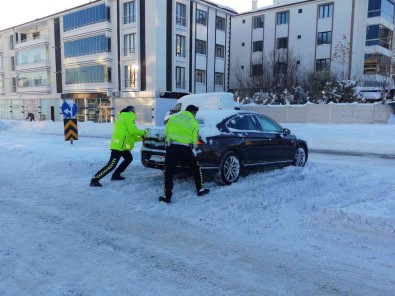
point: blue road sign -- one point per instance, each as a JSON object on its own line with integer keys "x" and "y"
{"x": 69, "y": 109}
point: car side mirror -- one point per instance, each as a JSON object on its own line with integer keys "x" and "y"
{"x": 286, "y": 131}
{"x": 171, "y": 111}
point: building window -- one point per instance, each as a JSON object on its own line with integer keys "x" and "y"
{"x": 242, "y": 67}
{"x": 257, "y": 70}
{"x": 258, "y": 22}
{"x": 129, "y": 12}
{"x": 322, "y": 65}
{"x": 219, "y": 78}
{"x": 379, "y": 35}
{"x": 299, "y": 36}
{"x": 324, "y": 38}
{"x": 13, "y": 85}
{"x": 219, "y": 51}
{"x": 200, "y": 76}
{"x": 36, "y": 35}
{"x": 201, "y": 17}
{"x": 257, "y": 46}
{"x": 87, "y": 74}
{"x": 12, "y": 63}
{"x": 130, "y": 77}
{"x": 181, "y": 19}
{"x": 11, "y": 44}
{"x": 300, "y": 10}
{"x": 220, "y": 23}
{"x": 325, "y": 11}
{"x": 282, "y": 42}
{"x": 129, "y": 45}
{"x": 383, "y": 8}
{"x": 180, "y": 77}
{"x": 243, "y": 44}
{"x": 86, "y": 17}
{"x": 280, "y": 68}
{"x": 201, "y": 47}
{"x": 180, "y": 46}
{"x": 32, "y": 56}
{"x": 86, "y": 46}
{"x": 32, "y": 79}
{"x": 282, "y": 18}
{"x": 377, "y": 64}
{"x": 243, "y": 21}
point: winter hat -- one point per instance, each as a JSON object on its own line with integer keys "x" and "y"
{"x": 128, "y": 109}
{"x": 192, "y": 108}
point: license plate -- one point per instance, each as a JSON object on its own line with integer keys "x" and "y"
{"x": 157, "y": 158}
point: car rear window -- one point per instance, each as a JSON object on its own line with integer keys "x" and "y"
{"x": 242, "y": 123}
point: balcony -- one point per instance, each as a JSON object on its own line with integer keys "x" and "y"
{"x": 102, "y": 57}
{"x": 42, "y": 89}
{"x": 32, "y": 42}
{"x": 38, "y": 64}
{"x": 93, "y": 86}
{"x": 98, "y": 27}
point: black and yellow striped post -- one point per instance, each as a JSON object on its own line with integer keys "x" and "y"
{"x": 70, "y": 130}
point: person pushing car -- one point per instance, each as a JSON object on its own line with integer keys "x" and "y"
{"x": 181, "y": 138}
{"x": 122, "y": 141}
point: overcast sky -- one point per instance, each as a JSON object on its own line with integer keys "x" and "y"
{"x": 17, "y": 12}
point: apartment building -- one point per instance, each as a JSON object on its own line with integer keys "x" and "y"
{"x": 352, "y": 38}
{"x": 107, "y": 54}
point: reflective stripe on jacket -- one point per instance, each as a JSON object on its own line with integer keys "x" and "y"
{"x": 182, "y": 128}
{"x": 125, "y": 132}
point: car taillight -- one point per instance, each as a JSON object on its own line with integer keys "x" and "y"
{"x": 200, "y": 142}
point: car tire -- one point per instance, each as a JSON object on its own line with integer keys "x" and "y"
{"x": 229, "y": 169}
{"x": 300, "y": 156}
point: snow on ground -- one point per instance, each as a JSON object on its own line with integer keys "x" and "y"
{"x": 325, "y": 229}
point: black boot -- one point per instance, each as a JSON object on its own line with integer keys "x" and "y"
{"x": 165, "y": 199}
{"x": 95, "y": 183}
{"x": 203, "y": 191}
{"x": 117, "y": 178}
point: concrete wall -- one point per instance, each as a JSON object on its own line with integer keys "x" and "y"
{"x": 328, "y": 113}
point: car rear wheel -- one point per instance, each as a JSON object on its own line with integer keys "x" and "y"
{"x": 300, "y": 157}
{"x": 229, "y": 170}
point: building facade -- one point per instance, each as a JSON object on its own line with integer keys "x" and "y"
{"x": 352, "y": 38}
{"x": 107, "y": 54}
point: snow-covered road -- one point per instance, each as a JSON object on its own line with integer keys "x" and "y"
{"x": 325, "y": 229}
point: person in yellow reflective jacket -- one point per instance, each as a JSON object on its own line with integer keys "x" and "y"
{"x": 181, "y": 137}
{"x": 124, "y": 136}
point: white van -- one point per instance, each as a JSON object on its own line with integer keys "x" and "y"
{"x": 205, "y": 101}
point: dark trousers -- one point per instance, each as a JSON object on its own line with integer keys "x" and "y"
{"x": 184, "y": 154}
{"x": 112, "y": 163}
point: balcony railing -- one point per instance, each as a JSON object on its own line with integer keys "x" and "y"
{"x": 181, "y": 53}
{"x": 180, "y": 84}
{"x": 75, "y": 55}
{"x": 129, "y": 19}
{"x": 130, "y": 83}
{"x": 129, "y": 51}
{"x": 68, "y": 82}
{"x": 181, "y": 21}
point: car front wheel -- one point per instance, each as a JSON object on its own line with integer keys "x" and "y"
{"x": 229, "y": 170}
{"x": 299, "y": 157}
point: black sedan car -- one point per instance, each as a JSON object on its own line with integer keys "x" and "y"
{"x": 232, "y": 142}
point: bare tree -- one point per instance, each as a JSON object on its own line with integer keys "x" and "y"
{"x": 341, "y": 55}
